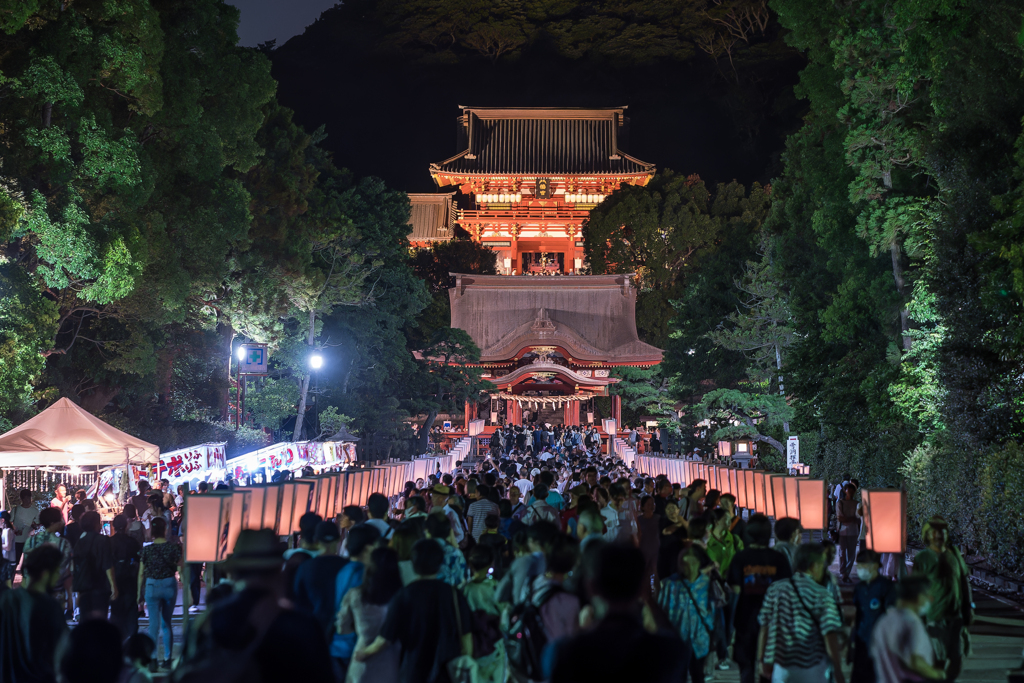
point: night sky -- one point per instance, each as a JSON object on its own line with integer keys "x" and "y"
{"x": 264, "y": 20}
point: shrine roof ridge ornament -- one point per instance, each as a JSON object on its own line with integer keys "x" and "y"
{"x": 542, "y": 141}
{"x": 553, "y": 369}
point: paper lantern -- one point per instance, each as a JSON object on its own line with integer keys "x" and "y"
{"x": 778, "y": 496}
{"x": 476, "y": 427}
{"x": 325, "y": 495}
{"x": 885, "y": 513}
{"x": 759, "y": 502}
{"x": 239, "y": 515}
{"x": 303, "y": 500}
{"x": 769, "y": 499}
{"x": 748, "y": 487}
{"x": 793, "y": 497}
{"x": 813, "y": 503}
{"x": 285, "y": 509}
{"x": 207, "y": 526}
{"x": 254, "y": 512}
{"x": 724, "y": 449}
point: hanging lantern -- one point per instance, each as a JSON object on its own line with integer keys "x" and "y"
{"x": 208, "y": 524}
{"x": 813, "y": 503}
{"x": 885, "y": 513}
{"x": 741, "y": 489}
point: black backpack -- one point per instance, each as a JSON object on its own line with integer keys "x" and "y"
{"x": 526, "y": 638}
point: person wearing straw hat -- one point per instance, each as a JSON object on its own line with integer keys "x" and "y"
{"x": 253, "y": 634}
{"x": 952, "y": 609}
{"x": 439, "y": 499}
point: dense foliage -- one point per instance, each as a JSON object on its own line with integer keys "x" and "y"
{"x": 158, "y": 206}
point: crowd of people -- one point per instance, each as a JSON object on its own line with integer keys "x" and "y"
{"x": 546, "y": 562}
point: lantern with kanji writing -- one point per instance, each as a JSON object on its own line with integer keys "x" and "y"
{"x": 885, "y": 515}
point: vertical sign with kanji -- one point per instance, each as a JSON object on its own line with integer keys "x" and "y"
{"x": 543, "y": 188}
{"x": 793, "y": 452}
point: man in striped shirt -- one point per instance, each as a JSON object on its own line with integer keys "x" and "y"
{"x": 800, "y": 624}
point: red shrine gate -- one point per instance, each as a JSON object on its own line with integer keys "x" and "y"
{"x": 550, "y": 343}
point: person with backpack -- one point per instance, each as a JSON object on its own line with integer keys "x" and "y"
{"x": 801, "y": 625}
{"x": 540, "y": 510}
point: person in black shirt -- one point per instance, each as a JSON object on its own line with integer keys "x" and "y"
{"x": 751, "y": 572}
{"x": 422, "y": 619}
{"x": 315, "y": 580}
{"x": 93, "y": 577}
{"x": 73, "y": 530}
{"x": 28, "y": 654}
{"x": 124, "y": 611}
{"x": 618, "y": 648}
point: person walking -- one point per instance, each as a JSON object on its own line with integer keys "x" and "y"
{"x": 900, "y": 646}
{"x": 93, "y": 575}
{"x": 752, "y": 572}
{"x": 160, "y": 561}
{"x": 952, "y": 609}
{"x": 872, "y": 596}
{"x": 24, "y": 520}
{"x": 429, "y": 620}
{"x": 125, "y": 552}
{"x": 849, "y": 530}
{"x": 685, "y": 598}
{"x": 363, "y": 612}
{"x": 7, "y": 552}
{"x": 801, "y": 625}
{"x": 29, "y": 654}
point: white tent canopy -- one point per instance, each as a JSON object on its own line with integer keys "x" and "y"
{"x": 65, "y": 434}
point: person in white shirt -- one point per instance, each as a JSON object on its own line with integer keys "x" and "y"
{"x": 837, "y": 492}
{"x": 524, "y": 485}
{"x": 900, "y": 646}
{"x": 439, "y": 496}
{"x": 25, "y": 520}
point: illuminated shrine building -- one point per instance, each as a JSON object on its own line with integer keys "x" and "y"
{"x": 549, "y": 344}
{"x": 526, "y": 180}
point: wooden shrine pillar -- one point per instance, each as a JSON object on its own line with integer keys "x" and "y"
{"x": 468, "y": 417}
{"x": 565, "y": 414}
{"x": 617, "y": 410}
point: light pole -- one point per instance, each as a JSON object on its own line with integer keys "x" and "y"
{"x": 238, "y": 387}
{"x": 316, "y": 361}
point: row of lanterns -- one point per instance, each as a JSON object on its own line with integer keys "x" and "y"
{"x": 803, "y": 498}
{"x": 499, "y": 198}
{"x": 215, "y": 519}
{"x": 585, "y": 198}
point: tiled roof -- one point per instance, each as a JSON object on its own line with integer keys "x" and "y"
{"x": 541, "y": 141}
{"x": 431, "y": 217}
{"x": 593, "y": 317}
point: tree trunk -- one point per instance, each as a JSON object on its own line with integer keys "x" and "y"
{"x": 47, "y": 114}
{"x": 300, "y": 418}
{"x": 897, "y": 274}
{"x": 425, "y": 431}
{"x": 771, "y": 442}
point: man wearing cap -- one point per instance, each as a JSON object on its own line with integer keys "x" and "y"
{"x": 439, "y": 495}
{"x": 315, "y": 580}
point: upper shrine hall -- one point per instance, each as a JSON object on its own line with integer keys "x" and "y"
{"x": 524, "y": 182}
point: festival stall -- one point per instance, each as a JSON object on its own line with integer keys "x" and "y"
{"x": 67, "y": 436}
{"x": 188, "y": 466}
